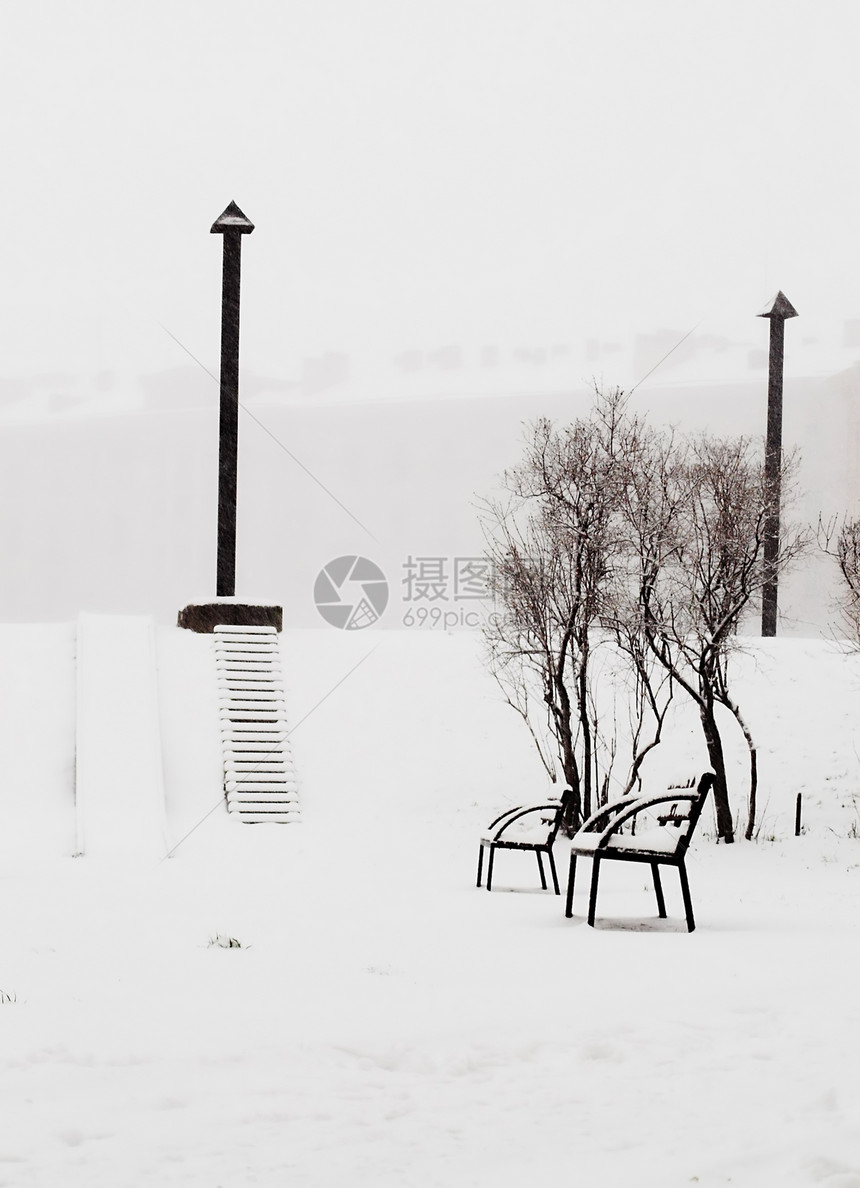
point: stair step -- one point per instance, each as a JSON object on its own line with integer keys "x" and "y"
{"x": 253, "y": 740}
{"x": 229, "y": 663}
{"x": 241, "y": 699}
{"x": 258, "y": 771}
{"x": 252, "y": 714}
{"x": 235, "y": 664}
{"x": 290, "y": 785}
{"x": 261, "y": 762}
{"x": 232, "y": 629}
{"x": 242, "y": 707}
{"x": 270, "y": 818}
{"x": 286, "y": 799}
{"x": 245, "y": 686}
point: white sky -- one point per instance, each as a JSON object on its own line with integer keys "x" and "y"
{"x": 420, "y": 172}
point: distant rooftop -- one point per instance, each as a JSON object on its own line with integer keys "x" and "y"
{"x": 662, "y": 359}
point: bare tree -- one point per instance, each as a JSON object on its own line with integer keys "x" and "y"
{"x": 527, "y": 652}
{"x": 651, "y": 691}
{"x": 615, "y": 533}
{"x": 700, "y": 527}
{"x": 557, "y": 544}
{"x": 842, "y": 542}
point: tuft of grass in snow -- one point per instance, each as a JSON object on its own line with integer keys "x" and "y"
{"x": 5, "y": 997}
{"x": 853, "y": 829}
{"x": 220, "y": 941}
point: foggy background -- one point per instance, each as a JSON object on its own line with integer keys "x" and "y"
{"x": 465, "y": 211}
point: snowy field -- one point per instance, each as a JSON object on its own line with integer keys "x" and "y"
{"x": 382, "y": 1022}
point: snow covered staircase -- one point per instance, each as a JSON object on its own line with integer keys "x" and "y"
{"x": 259, "y": 776}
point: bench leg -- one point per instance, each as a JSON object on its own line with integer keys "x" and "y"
{"x": 480, "y": 864}
{"x": 658, "y": 889}
{"x": 490, "y": 868}
{"x": 571, "y": 876}
{"x": 553, "y": 872}
{"x": 592, "y": 900}
{"x": 685, "y": 891}
{"x": 540, "y": 868}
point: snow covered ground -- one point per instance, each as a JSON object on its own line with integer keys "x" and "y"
{"x": 382, "y": 1022}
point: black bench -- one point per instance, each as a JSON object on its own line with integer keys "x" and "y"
{"x": 665, "y": 844}
{"x": 514, "y": 830}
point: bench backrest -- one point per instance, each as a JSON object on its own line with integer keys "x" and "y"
{"x": 563, "y": 807}
{"x": 684, "y": 814}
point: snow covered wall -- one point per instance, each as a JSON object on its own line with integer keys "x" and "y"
{"x": 109, "y": 743}
{"x": 119, "y": 782}
{"x": 37, "y": 741}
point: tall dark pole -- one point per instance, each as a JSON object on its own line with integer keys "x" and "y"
{"x": 232, "y": 224}
{"x": 778, "y": 310}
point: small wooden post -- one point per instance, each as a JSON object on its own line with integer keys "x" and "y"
{"x": 797, "y": 816}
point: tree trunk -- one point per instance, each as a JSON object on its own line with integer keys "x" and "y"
{"x": 561, "y": 714}
{"x": 730, "y": 705}
{"x": 753, "y": 789}
{"x": 585, "y": 727}
{"x": 725, "y": 826}
{"x": 573, "y": 817}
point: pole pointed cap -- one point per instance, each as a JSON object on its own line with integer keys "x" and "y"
{"x": 231, "y": 219}
{"x": 780, "y": 307}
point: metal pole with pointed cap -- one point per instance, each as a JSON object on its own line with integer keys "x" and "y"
{"x": 232, "y": 224}
{"x": 777, "y": 311}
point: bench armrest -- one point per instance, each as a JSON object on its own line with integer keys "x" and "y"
{"x": 591, "y": 824}
{"x": 517, "y": 814}
{"x": 638, "y": 806}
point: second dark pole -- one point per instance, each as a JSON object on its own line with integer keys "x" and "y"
{"x": 778, "y": 310}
